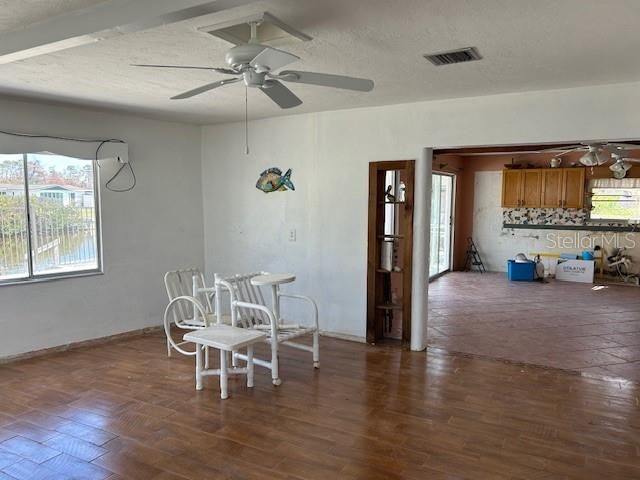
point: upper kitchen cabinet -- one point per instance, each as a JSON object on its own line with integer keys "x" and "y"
{"x": 521, "y": 188}
{"x": 573, "y": 187}
{"x": 552, "y": 184}
{"x": 531, "y": 185}
{"x": 511, "y": 187}
{"x": 546, "y": 187}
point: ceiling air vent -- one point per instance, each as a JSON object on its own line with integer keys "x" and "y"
{"x": 454, "y": 56}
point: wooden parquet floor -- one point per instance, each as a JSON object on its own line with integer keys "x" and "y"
{"x": 124, "y": 411}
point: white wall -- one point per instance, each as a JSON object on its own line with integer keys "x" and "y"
{"x": 156, "y": 227}
{"x": 329, "y": 152}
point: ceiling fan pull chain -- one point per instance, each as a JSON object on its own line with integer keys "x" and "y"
{"x": 246, "y": 119}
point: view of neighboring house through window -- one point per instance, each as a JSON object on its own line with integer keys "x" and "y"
{"x": 48, "y": 217}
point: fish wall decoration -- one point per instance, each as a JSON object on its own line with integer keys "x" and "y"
{"x": 272, "y": 180}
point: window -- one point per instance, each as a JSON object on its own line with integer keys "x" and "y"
{"x": 615, "y": 200}
{"x": 49, "y": 217}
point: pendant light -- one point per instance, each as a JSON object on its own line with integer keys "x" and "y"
{"x": 596, "y": 156}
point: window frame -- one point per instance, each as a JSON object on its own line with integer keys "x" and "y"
{"x": 627, "y": 183}
{"x": 45, "y": 277}
{"x": 626, "y": 221}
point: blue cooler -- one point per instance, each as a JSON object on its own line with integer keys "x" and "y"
{"x": 521, "y": 271}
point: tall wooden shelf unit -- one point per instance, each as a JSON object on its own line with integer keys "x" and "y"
{"x": 390, "y": 250}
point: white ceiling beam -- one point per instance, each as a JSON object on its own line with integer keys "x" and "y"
{"x": 102, "y": 21}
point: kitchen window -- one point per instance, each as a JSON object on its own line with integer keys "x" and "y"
{"x": 615, "y": 200}
{"x": 49, "y": 217}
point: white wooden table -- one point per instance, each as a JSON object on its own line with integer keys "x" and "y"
{"x": 226, "y": 339}
{"x": 274, "y": 280}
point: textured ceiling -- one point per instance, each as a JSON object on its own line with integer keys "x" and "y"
{"x": 527, "y": 45}
{"x": 17, "y": 13}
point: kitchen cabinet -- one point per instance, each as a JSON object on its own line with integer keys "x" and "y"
{"x": 521, "y": 188}
{"x": 573, "y": 188}
{"x": 543, "y": 187}
{"x": 531, "y": 185}
{"x": 563, "y": 188}
{"x": 511, "y": 182}
{"x": 552, "y": 181}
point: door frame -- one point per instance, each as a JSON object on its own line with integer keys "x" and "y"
{"x": 452, "y": 220}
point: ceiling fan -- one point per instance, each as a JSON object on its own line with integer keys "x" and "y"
{"x": 256, "y": 66}
{"x": 622, "y": 164}
{"x": 598, "y": 154}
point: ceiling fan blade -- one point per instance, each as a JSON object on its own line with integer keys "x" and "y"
{"x": 621, "y": 147}
{"x": 205, "y": 88}
{"x": 327, "y": 80}
{"x": 564, "y": 149}
{"x": 280, "y": 94}
{"x": 227, "y": 71}
{"x": 272, "y": 59}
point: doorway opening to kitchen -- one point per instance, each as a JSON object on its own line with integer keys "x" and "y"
{"x": 572, "y": 207}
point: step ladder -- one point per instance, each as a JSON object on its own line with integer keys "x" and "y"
{"x": 473, "y": 258}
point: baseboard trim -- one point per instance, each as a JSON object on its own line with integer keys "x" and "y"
{"x": 343, "y": 336}
{"x": 81, "y": 344}
{"x": 132, "y": 333}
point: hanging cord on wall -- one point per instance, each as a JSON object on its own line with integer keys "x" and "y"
{"x": 107, "y": 185}
{"x": 71, "y": 139}
{"x": 100, "y": 141}
{"x": 246, "y": 118}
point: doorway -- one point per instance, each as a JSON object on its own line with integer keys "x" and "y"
{"x": 442, "y": 191}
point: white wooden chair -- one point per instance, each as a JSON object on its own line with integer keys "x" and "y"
{"x": 249, "y": 310}
{"x": 183, "y": 312}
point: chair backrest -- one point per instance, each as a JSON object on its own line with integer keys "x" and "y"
{"x": 180, "y": 283}
{"x": 244, "y": 291}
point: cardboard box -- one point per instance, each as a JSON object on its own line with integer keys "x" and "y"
{"x": 580, "y": 271}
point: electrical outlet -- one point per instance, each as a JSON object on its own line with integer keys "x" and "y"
{"x": 292, "y": 235}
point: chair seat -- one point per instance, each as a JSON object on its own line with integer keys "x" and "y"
{"x": 286, "y": 332}
{"x": 224, "y": 337}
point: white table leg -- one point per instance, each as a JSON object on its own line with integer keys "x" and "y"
{"x": 276, "y": 302}
{"x": 250, "y": 366}
{"x": 198, "y": 367}
{"x": 223, "y": 375}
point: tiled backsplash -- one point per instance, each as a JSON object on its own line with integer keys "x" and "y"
{"x": 550, "y": 216}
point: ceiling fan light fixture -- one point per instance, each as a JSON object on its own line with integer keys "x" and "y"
{"x": 620, "y": 167}
{"x": 601, "y": 159}
{"x": 588, "y": 160}
{"x": 594, "y": 157}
